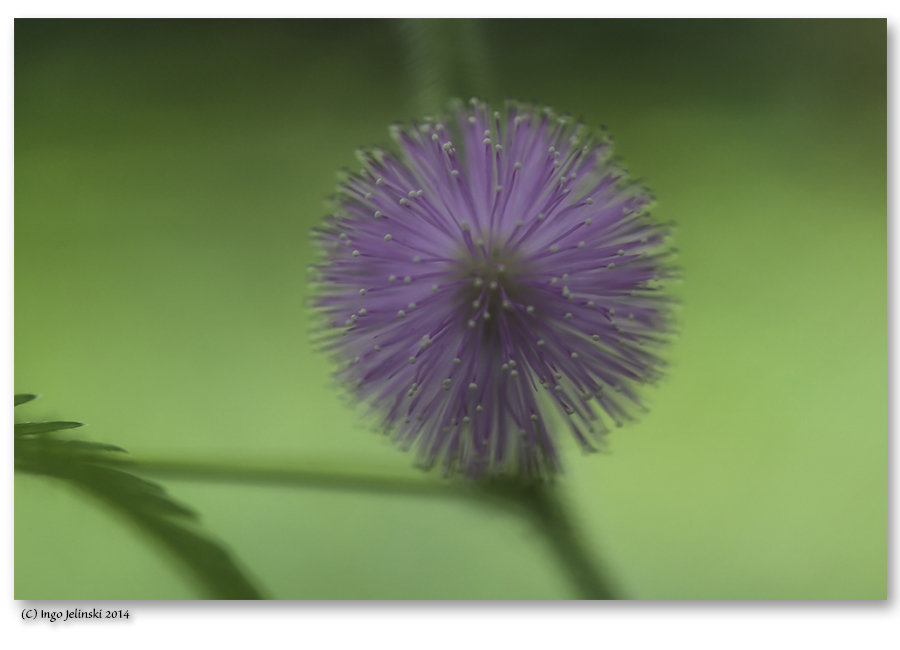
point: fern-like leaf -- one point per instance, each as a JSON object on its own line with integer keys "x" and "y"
{"x": 147, "y": 504}
{"x": 35, "y": 428}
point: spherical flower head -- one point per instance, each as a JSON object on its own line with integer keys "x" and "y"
{"x": 499, "y": 268}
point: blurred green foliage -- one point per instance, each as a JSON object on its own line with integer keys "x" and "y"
{"x": 167, "y": 174}
{"x": 83, "y": 465}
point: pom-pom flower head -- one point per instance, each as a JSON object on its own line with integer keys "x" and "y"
{"x": 499, "y": 268}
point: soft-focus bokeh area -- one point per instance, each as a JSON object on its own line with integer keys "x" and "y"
{"x": 167, "y": 175}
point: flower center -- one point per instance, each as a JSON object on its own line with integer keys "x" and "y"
{"x": 492, "y": 283}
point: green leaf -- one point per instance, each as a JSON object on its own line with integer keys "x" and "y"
{"x": 35, "y": 428}
{"x": 22, "y": 398}
{"x": 82, "y": 446}
{"x": 85, "y": 465}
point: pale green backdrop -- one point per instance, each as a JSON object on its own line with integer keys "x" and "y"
{"x": 167, "y": 175}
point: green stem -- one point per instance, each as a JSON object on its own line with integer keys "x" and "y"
{"x": 310, "y": 475}
{"x": 446, "y": 57}
{"x": 429, "y": 60}
{"x": 550, "y": 517}
{"x": 539, "y": 502}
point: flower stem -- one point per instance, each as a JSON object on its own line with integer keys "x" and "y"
{"x": 551, "y": 517}
{"x": 538, "y": 502}
{"x": 429, "y": 60}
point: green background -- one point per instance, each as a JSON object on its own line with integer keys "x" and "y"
{"x": 167, "y": 175}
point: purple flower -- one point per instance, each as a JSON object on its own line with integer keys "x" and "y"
{"x": 499, "y": 268}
